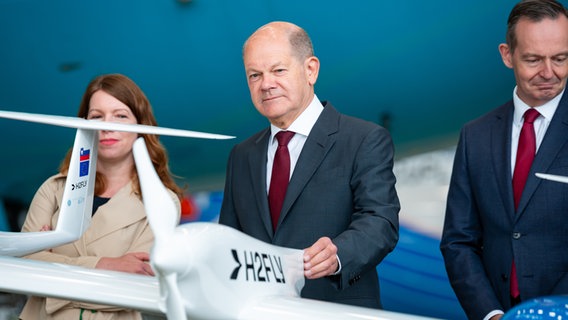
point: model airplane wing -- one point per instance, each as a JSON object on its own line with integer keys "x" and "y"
{"x": 79, "y": 284}
{"x": 76, "y": 207}
{"x": 80, "y": 123}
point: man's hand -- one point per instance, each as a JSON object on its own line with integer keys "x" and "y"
{"x": 320, "y": 259}
{"x": 134, "y": 262}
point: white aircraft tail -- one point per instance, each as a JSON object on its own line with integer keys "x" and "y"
{"x": 76, "y": 205}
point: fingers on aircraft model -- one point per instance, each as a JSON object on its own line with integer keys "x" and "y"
{"x": 204, "y": 270}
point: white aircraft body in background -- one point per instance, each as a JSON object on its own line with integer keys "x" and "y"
{"x": 204, "y": 270}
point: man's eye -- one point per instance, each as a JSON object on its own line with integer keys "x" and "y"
{"x": 254, "y": 77}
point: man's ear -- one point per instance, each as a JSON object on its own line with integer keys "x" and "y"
{"x": 506, "y": 55}
{"x": 312, "y": 66}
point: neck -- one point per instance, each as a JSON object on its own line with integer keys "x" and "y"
{"x": 116, "y": 177}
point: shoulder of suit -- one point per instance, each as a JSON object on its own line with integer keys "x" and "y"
{"x": 255, "y": 138}
{"x": 496, "y": 114}
{"x": 330, "y": 111}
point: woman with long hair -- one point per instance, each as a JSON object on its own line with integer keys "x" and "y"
{"x": 119, "y": 237}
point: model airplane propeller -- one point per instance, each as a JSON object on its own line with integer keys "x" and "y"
{"x": 205, "y": 270}
{"x": 161, "y": 213}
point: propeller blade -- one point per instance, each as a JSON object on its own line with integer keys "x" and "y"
{"x": 160, "y": 208}
{"x": 174, "y": 302}
{"x": 163, "y": 218}
{"x": 80, "y": 123}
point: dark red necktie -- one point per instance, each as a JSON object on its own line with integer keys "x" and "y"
{"x": 525, "y": 156}
{"x": 280, "y": 176}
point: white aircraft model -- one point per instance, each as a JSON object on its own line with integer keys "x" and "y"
{"x": 205, "y": 270}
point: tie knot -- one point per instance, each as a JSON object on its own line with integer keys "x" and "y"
{"x": 531, "y": 115}
{"x": 284, "y": 137}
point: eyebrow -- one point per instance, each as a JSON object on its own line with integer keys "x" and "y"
{"x": 114, "y": 109}
{"x": 272, "y": 66}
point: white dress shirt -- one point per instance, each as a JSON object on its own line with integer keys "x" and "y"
{"x": 302, "y": 126}
{"x": 540, "y": 124}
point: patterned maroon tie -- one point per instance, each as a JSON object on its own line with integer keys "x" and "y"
{"x": 525, "y": 156}
{"x": 280, "y": 176}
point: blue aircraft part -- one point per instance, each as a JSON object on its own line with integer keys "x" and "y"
{"x": 551, "y": 307}
{"x": 211, "y": 212}
{"x": 413, "y": 278}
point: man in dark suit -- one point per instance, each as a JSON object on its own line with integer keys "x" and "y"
{"x": 505, "y": 241}
{"x": 340, "y": 205}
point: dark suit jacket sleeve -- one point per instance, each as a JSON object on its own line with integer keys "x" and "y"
{"x": 228, "y": 214}
{"x": 373, "y": 231}
{"x": 461, "y": 243}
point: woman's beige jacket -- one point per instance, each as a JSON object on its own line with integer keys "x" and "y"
{"x": 119, "y": 227}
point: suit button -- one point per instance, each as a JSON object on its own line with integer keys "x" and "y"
{"x": 516, "y": 235}
{"x": 354, "y": 279}
{"x": 504, "y": 277}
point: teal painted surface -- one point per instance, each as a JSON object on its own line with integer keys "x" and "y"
{"x": 427, "y": 67}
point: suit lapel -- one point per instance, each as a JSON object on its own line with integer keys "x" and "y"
{"x": 501, "y": 151}
{"x": 257, "y": 167}
{"x": 317, "y": 145}
{"x": 555, "y": 138}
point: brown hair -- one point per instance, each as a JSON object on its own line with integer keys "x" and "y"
{"x": 125, "y": 90}
{"x": 534, "y": 10}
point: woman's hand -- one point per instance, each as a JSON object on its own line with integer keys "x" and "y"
{"x": 133, "y": 262}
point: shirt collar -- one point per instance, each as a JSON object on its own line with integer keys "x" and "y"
{"x": 546, "y": 110}
{"x": 305, "y": 121}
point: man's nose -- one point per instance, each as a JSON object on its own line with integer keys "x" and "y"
{"x": 267, "y": 82}
{"x": 546, "y": 71}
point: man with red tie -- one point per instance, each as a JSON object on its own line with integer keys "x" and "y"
{"x": 315, "y": 179}
{"x": 506, "y": 231}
